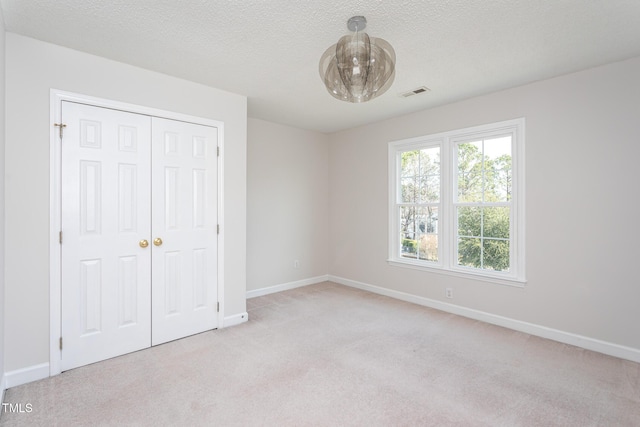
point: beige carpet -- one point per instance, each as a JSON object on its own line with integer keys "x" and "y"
{"x": 328, "y": 355}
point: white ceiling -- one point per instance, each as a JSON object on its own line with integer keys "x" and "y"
{"x": 269, "y": 50}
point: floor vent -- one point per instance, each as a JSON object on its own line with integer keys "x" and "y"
{"x": 421, "y": 89}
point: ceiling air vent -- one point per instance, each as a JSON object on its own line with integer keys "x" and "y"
{"x": 421, "y": 89}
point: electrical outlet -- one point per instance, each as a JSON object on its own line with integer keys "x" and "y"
{"x": 296, "y": 264}
{"x": 448, "y": 292}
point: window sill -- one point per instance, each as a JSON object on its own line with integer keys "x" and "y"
{"x": 507, "y": 281}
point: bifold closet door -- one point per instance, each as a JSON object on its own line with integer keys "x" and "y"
{"x": 106, "y": 220}
{"x": 184, "y": 206}
{"x": 139, "y": 232}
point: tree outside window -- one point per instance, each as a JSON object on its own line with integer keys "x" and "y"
{"x": 483, "y": 203}
{"x": 420, "y": 195}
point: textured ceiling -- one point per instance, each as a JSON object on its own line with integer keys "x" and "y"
{"x": 269, "y": 50}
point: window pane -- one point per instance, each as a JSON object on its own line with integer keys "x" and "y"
{"x": 483, "y": 235}
{"x": 432, "y": 220}
{"x": 428, "y": 247}
{"x": 431, "y": 189}
{"x": 408, "y": 229}
{"x": 497, "y": 164}
{"x": 428, "y": 240}
{"x": 420, "y": 176}
{"x": 408, "y": 219}
{"x": 470, "y": 172}
{"x": 430, "y": 160}
{"x": 470, "y": 221}
{"x": 495, "y": 222}
{"x": 418, "y": 237}
{"x": 430, "y": 174}
{"x": 409, "y": 176}
{"x": 410, "y": 163}
{"x": 496, "y": 255}
{"x": 421, "y": 222}
{"x": 470, "y": 252}
{"x": 408, "y": 190}
{"x": 408, "y": 246}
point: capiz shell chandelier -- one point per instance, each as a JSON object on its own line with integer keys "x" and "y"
{"x": 358, "y": 68}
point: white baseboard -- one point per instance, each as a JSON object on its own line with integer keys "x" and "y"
{"x": 236, "y": 319}
{"x": 599, "y": 346}
{"x": 286, "y": 286}
{"x": 3, "y": 387}
{"x": 26, "y": 375}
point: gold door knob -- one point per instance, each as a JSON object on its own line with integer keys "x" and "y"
{"x": 143, "y": 243}
{"x": 157, "y": 241}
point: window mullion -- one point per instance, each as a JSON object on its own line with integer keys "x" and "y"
{"x": 447, "y": 184}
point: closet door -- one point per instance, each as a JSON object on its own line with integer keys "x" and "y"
{"x": 106, "y": 220}
{"x": 184, "y": 229}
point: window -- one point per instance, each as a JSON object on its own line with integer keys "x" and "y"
{"x": 457, "y": 202}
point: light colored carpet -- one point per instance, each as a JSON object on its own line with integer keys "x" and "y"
{"x": 328, "y": 355}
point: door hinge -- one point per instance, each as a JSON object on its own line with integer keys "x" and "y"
{"x": 60, "y": 126}
{"x": 60, "y": 343}
{"x": 218, "y": 151}
{"x": 60, "y": 237}
{"x": 218, "y": 229}
{"x": 218, "y": 307}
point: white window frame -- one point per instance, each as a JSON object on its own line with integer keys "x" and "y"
{"x": 447, "y": 242}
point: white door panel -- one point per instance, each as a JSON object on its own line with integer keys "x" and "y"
{"x": 184, "y": 205}
{"x": 106, "y": 280}
{"x": 129, "y": 178}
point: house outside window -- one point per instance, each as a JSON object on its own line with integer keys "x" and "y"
{"x": 457, "y": 202}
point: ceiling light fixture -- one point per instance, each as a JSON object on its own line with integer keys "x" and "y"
{"x": 358, "y": 68}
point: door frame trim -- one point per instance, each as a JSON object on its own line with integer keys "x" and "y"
{"x": 55, "y": 214}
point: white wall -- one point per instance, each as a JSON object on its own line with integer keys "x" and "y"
{"x": 581, "y": 198}
{"x": 287, "y": 204}
{"x": 582, "y": 203}
{"x": 33, "y": 68}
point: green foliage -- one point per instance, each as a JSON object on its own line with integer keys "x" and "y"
{"x": 496, "y": 254}
{"x": 409, "y": 246}
{"x": 483, "y": 231}
{"x": 484, "y": 234}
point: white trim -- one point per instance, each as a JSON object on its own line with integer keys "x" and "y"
{"x": 220, "y": 248}
{"x": 581, "y": 341}
{"x": 286, "y": 286}
{"x": 55, "y": 225}
{"x": 59, "y": 95}
{"x": 234, "y": 320}
{"x": 26, "y": 375}
{"x": 55, "y": 306}
{"x": 415, "y": 265}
